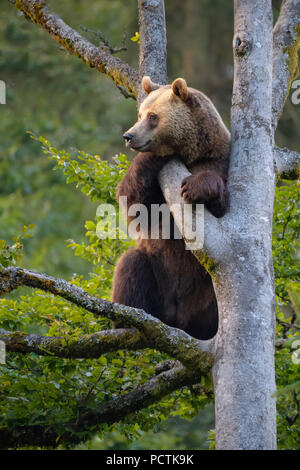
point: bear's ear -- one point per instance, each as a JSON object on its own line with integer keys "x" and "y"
{"x": 148, "y": 85}
{"x": 180, "y": 88}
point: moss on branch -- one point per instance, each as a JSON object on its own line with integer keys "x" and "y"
{"x": 86, "y": 346}
{"x": 292, "y": 53}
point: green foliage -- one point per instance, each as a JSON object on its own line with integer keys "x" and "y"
{"x": 49, "y": 390}
{"x": 286, "y": 230}
{"x": 12, "y": 254}
{"x": 288, "y": 397}
{"x": 53, "y": 94}
{"x": 174, "y": 433}
{"x": 212, "y": 439}
{"x": 286, "y": 238}
{"x": 97, "y": 179}
{"x": 136, "y": 38}
{"x": 94, "y": 176}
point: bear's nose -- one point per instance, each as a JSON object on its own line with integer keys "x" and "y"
{"x": 127, "y": 137}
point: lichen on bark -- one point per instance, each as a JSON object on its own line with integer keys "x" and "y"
{"x": 292, "y": 58}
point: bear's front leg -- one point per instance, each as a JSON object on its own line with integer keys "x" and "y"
{"x": 140, "y": 184}
{"x": 208, "y": 188}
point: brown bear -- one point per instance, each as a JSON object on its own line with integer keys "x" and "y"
{"x": 159, "y": 275}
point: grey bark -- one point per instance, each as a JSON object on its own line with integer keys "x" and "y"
{"x": 240, "y": 244}
{"x": 287, "y": 162}
{"x": 285, "y": 54}
{"x": 153, "y": 47}
{"x": 244, "y": 375}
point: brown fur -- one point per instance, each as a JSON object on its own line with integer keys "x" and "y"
{"x": 161, "y": 276}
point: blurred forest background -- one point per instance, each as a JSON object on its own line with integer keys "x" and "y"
{"x": 53, "y": 94}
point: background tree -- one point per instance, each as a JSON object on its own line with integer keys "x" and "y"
{"x": 29, "y": 278}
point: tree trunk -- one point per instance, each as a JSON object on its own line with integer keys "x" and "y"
{"x": 244, "y": 375}
{"x": 153, "y": 48}
{"x": 240, "y": 242}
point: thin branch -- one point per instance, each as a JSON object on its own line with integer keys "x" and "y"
{"x": 287, "y": 326}
{"x": 86, "y": 346}
{"x": 292, "y": 420}
{"x": 125, "y": 93}
{"x": 102, "y": 59}
{"x": 113, "y": 411}
{"x": 142, "y": 396}
{"x": 104, "y": 43}
{"x": 172, "y": 341}
{"x": 287, "y": 162}
{"x": 92, "y": 388}
{"x": 286, "y": 38}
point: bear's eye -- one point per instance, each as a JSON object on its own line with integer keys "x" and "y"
{"x": 153, "y": 118}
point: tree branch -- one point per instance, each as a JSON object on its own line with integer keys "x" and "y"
{"x": 287, "y": 162}
{"x": 22, "y": 436}
{"x": 86, "y": 346}
{"x": 286, "y": 43}
{"x": 113, "y": 411}
{"x": 120, "y": 72}
{"x": 172, "y": 341}
{"x": 104, "y": 43}
{"x": 143, "y": 396}
{"x": 170, "y": 178}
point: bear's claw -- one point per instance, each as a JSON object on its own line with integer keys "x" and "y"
{"x": 189, "y": 189}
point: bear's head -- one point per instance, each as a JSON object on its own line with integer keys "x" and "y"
{"x": 175, "y": 119}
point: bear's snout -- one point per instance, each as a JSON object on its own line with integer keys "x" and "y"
{"x": 128, "y": 138}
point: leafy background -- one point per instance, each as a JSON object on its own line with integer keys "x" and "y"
{"x": 83, "y": 115}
